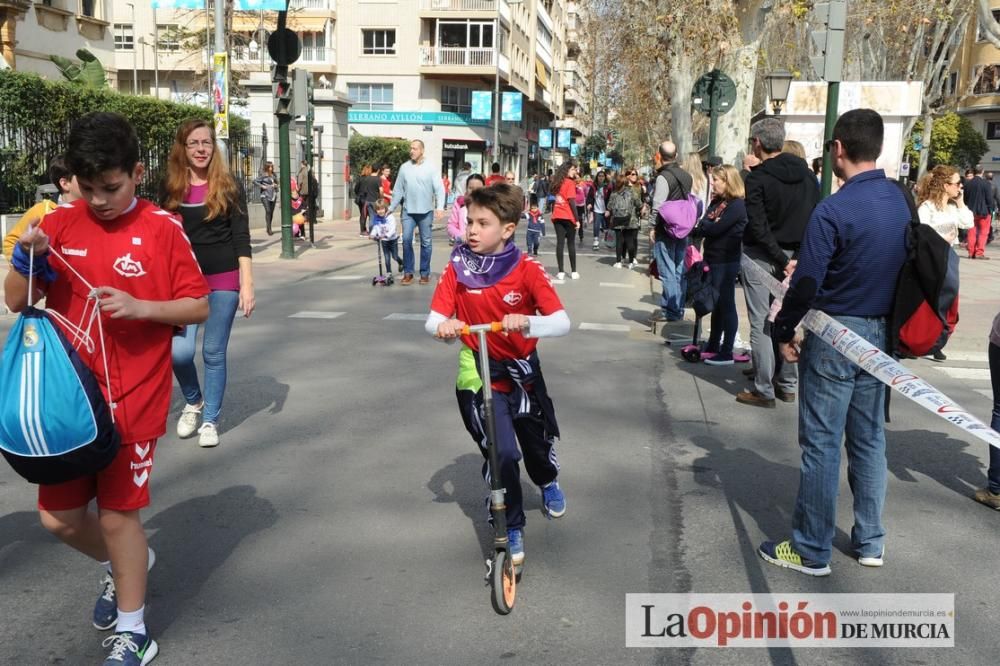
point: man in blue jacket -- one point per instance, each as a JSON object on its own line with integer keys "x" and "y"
{"x": 851, "y": 255}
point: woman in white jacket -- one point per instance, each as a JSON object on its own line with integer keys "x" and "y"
{"x": 941, "y": 207}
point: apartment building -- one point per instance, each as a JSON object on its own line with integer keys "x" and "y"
{"x": 31, "y": 31}
{"x": 976, "y": 79}
{"x": 409, "y": 66}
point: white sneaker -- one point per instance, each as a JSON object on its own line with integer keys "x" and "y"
{"x": 597, "y": 245}
{"x": 560, "y": 275}
{"x": 633, "y": 264}
{"x": 876, "y": 561}
{"x": 618, "y": 264}
{"x": 575, "y": 275}
{"x": 187, "y": 425}
{"x": 208, "y": 435}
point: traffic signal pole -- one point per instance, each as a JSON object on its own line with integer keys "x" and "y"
{"x": 829, "y": 39}
{"x": 284, "y": 162}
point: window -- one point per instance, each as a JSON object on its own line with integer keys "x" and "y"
{"x": 987, "y": 80}
{"x": 378, "y": 42}
{"x": 370, "y": 96}
{"x": 456, "y": 100}
{"x": 313, "y": 46}
{"x": 993, "y": 130}
{"x": 980, "y": 35}
{"x": 87, "y": 8}
{"x": 544, "y": 35}
{"x": 169, "y": 37}
{"x": 124, "y": 37}
{"x": 465, "y": 34}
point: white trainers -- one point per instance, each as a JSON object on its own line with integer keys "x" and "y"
{"x": 187, "y": 425}
{"x": 560, "y": 275}
{"x": 633, "y": 264}
{"x": 575, "y": 275}
{"x": 208, "y": 435}
{"x": 873, "y": 561}
{"x": 618, "y": 264}
{"x": 597, "y": 245}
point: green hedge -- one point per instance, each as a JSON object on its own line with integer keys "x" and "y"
{"x": 35, "y": 115}
{"x": 377, "y": 151}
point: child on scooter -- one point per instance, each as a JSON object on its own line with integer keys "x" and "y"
{"x": 489, "y": 279}
{"x": 385, "y": 231}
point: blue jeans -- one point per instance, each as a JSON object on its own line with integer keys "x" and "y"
{"x": 390, "y": 251}
{"x": 838, "y": 400}
{"x": 994, "y": 471}
{"x": 724, "y": 319}
{"x": 221, "y": 311}
{"x": 600, "y": 221}
{"x": 669, "y": 255}
{"x": 424, "y": 221}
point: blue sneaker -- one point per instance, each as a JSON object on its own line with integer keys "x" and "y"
{"x": 106, "y": 608}
{"x": 129, "y": 649}
{"x": 553, "y": 500}
{"x": 516, "y": 539}
{"x": 784, "y": 555}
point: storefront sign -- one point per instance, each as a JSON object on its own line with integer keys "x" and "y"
{"x": 411, "y": 118}
{"x": 453, "y": 144}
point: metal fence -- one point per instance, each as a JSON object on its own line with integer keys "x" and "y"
{"x": 26, "y": 153}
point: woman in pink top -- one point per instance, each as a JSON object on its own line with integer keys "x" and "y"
{"x": 459, "y": 214}
{"x": 212, "y": 206}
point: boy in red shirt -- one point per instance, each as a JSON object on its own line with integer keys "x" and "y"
{"x": 488, "y": 279}
{"x": 136, "y": 261}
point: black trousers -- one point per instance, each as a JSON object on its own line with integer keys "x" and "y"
{"x": 517, "y": 438}
{"x": 564, "y": 233}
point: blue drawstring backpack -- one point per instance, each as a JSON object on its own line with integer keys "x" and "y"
{"x": 55, "y": 424}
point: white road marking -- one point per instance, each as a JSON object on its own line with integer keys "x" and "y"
{"x": 981, "y": 374}
{"x": 405, "y": 316}
{"x": 558, "y": 281}
{"x": 586, "y": 326}
{"x": 345, "y": 278}
{"x": 619, "y": 285}
{"x": 978, "y": 357}
{"x": 314, "y": 314}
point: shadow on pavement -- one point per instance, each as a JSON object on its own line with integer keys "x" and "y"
{"x": 193, "y": 539}
{"x": 22, "y": 526}
{"x": 462, "y": 482}
{"x": 249, "y": 396}
{"x": 935, "y": 455}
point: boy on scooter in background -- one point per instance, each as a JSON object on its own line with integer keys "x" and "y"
{"x": 489, "y": 279}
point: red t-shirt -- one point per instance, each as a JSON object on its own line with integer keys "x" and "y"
{"x": 145, "y": 253}
{"x": 562, "y": 210}
{"x": 494, "y": 179}
{"x": 527, "y": 290}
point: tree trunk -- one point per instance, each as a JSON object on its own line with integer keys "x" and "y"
{"x": 925, "y": 151}
{"x": 734, "y": 127}
{"x": 681, "y": 83}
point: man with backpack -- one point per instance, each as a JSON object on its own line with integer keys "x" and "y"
{"x": 854, "y": 248}
{"x": 671, "y": 183}
{"x": 781, "y": 195}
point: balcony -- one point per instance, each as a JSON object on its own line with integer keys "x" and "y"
{"x": 313, "y": 4}
{"x": 457, "y": 60}
{"x": 458, "y": 5}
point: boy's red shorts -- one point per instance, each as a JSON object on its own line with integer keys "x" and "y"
{"x": 121, "y": 486}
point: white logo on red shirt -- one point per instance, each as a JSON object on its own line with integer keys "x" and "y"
{"x": 127, "y": 267}
{"x": 512, "y": 298}
{"x": 71, "y": 252}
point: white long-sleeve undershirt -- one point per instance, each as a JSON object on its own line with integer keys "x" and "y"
{"x": 539, "y": 326}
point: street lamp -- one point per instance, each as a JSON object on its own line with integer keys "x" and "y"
{"x": 778, "y": 83}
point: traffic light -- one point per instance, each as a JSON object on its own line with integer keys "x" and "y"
{"x": 300, "y": 92}
{"x": 282, "y": 89}
{"x": 828, "y": 38}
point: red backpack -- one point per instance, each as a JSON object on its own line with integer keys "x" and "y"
{"x": 925, "y": 311}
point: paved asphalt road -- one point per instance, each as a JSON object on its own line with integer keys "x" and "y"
{"x": 340, "y": 521}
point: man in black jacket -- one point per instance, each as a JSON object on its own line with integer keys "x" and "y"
{"x": 781, "y": 195}
{"x": 978, "y": 198}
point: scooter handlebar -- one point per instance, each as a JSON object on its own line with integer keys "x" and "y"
{"x": 493, "y": 327}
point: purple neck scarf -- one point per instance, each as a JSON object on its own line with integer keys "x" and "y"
{"x": 477, "y": 271}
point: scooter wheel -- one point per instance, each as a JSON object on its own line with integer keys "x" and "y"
{"x": 692, "y": 355}
{"x": 504, "y": 583}
{"x": 374, "y": 281}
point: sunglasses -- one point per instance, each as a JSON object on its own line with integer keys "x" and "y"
{"x": 632, "y": 173}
